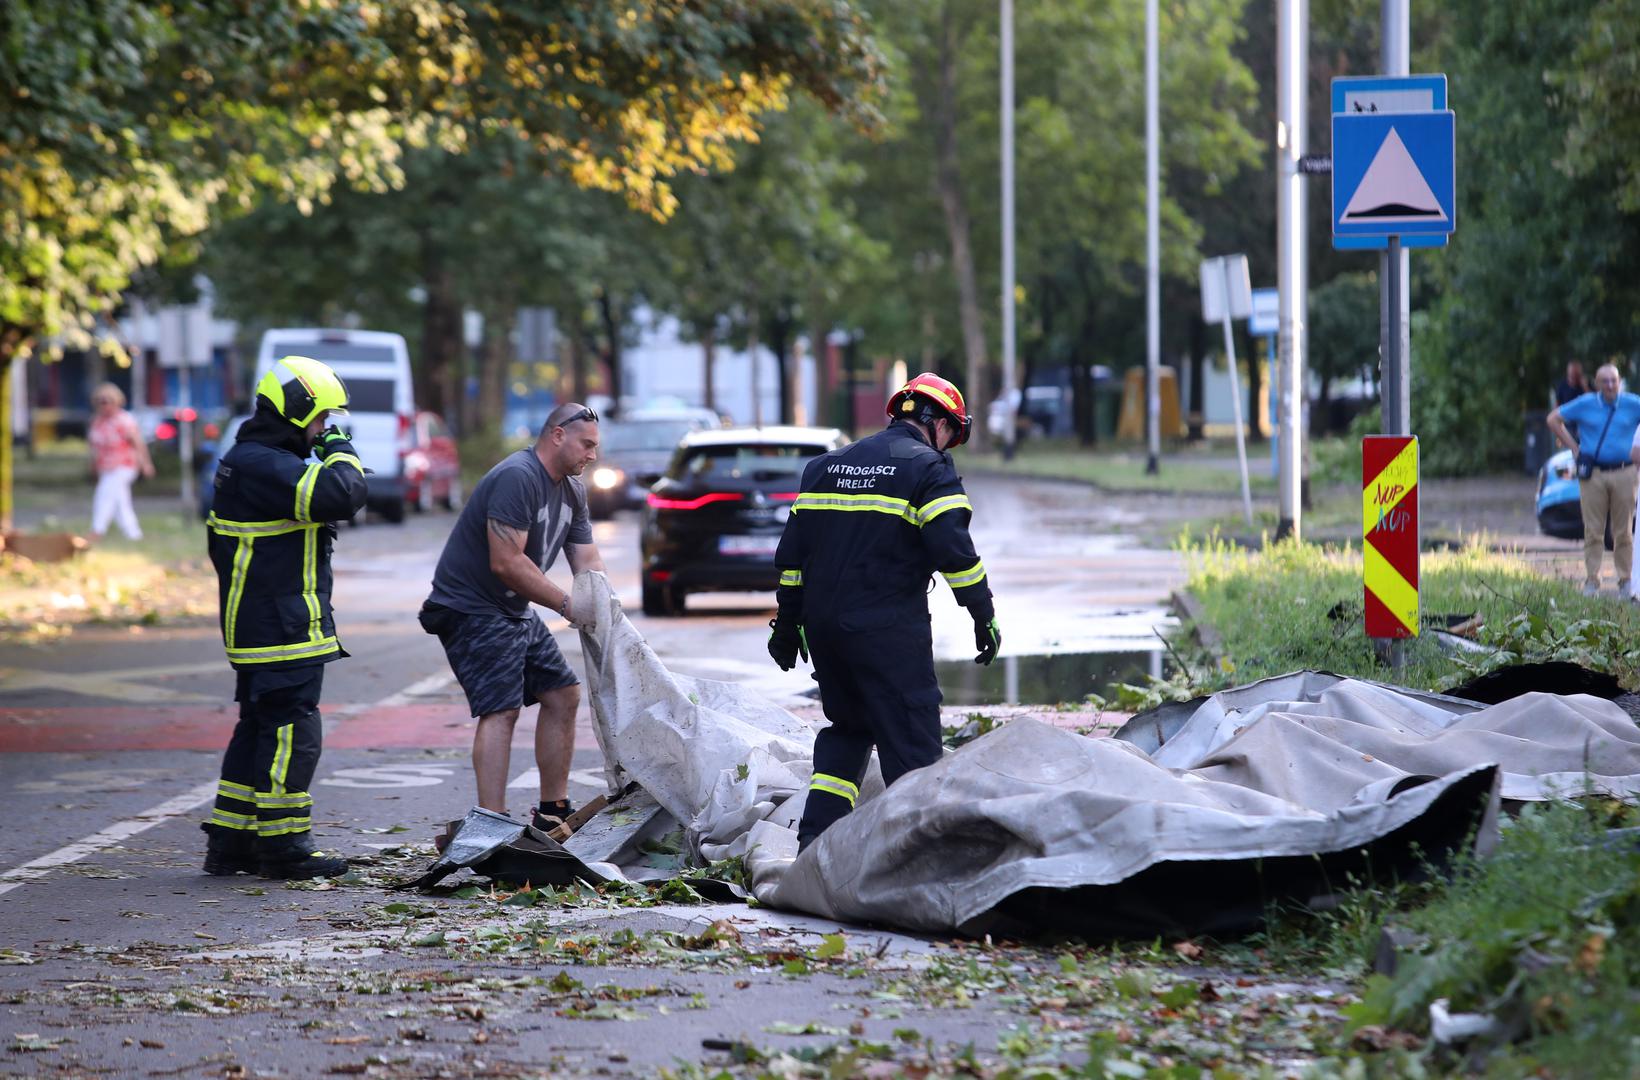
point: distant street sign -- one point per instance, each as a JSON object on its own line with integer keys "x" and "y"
{"x": 1265, "y": 319}
{"x": 1376, "y": 94}
{"x": 1389, "y": 530}
{"x": 1389, "y": 93}
{"x": 1219, "y": 275}
{"x": 1394, "y": 174}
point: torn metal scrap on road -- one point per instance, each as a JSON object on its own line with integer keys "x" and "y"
{"x": 1194, "y": 818}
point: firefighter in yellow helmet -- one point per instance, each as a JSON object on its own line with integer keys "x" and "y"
{"x": 873, "y": 523}
{"x": 270, "y": 537}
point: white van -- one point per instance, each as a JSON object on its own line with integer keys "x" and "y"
{"x": 382, "y": 404}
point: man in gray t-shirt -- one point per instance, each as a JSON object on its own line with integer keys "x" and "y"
{"x": 528, "y": 508}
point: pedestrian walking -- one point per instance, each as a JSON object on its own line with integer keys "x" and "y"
{"x": 118, "y": 454}
{"x": 526, "y": 510}
{"x": 872, "y": 523}
{"x": 1607, "y": 420}
{"x": 271, "y": 529}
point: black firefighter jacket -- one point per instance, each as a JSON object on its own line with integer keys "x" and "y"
{"x": 271, "y": 547}
{"x": 872, "y": 524}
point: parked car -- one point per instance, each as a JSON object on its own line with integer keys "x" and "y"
{"x": 1559, "y": 508}
{"x": 382, "y": 408}
{"x": 210, "y": 454}
{"x": 712, "y": 523}
{"x": 432, "y": 465}
{"x": 632, "y": 455}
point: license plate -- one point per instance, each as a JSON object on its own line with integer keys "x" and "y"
{"x": 747, "y": 545}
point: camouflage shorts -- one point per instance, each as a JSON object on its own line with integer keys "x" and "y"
{"x": 502, "y": 663}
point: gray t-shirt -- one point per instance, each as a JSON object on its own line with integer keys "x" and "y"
{"x": 521, "y": 493}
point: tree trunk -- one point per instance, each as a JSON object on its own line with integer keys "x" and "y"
{"x": 612, "y": 352}
{"x": 8, "y": 356}
{"x": 1198, "y": 379}
{"x": 948, "y": 181}
{"x": 577, "y": 363}
{"x": 752, "y": 347}
{"x": 780, "y": 340}
{"x": 441, "y": 336}
{"x": 494, "y": 357}
{"x": 825, "y": 408}
{"x": 708, "y": 348}
{"x": 1255, "y": 390}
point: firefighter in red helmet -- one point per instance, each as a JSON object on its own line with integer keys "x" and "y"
{"x": 873, "y": 523}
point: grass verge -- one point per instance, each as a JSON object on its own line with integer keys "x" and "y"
{"x": 1201, "y": 469}
{"x": 1292, "y": 606}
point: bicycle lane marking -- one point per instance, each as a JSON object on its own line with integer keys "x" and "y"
{"x": 192, "y": 799}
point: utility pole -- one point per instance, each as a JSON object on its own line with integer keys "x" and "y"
{"x": 1292, "y": 255}
{"x": 1153, "y": 247}
{"x": 1394, "y": 338}
{"x": 1008, "y": 382}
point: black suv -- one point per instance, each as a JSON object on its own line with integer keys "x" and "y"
{"x": 713, "y": 521}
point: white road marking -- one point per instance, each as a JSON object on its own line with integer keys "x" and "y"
{"x": 188, "y": 801}
{"x": 419, "y": 774}
{"x": 531, "y": 778}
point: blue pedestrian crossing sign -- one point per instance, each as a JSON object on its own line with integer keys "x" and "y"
{"x": 1393, "y": 175}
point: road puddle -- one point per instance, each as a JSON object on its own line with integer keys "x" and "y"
{"x": 1045, "y": 680}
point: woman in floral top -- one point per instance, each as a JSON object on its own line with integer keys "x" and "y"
{"x": 118, "y": 453}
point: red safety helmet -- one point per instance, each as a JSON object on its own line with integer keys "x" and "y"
{"x": 940, "y": 393}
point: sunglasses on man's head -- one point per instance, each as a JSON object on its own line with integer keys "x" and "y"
{"x": 584, "y": 414}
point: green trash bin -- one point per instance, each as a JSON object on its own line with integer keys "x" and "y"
{"x": 1107, "y": 402}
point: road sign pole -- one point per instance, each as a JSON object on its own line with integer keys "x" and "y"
{"x": 1292, "y": 260}
{"x": 1153, "y": 247}
{"x": 1008, "y": 383}
{"x": 1394, "y": 339}
{"x": 1235, "y": 396}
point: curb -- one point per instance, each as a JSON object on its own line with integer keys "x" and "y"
{"x": 1187, "y": 607}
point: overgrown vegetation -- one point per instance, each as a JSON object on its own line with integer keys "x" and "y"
{"x": 1292, "y": 606}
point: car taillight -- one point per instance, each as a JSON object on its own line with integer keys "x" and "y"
{"x": 405, "y": 422}
{"x": 165, "y": 430}
{"x": 784, "y": 496}
{"x": 660, "y": 503}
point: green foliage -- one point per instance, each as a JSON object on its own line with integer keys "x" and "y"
{"x": 1545, "y": 266}
{"x": 1544, "y": 936}
{"x": 1294, "y": 605}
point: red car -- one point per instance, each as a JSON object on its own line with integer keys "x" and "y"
{"x": 432, "y": 468}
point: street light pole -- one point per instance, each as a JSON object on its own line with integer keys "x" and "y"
{"x": 1292, "y": 257}
{"x": 1008, "y": 382}
{"x": 1153, "y": 248}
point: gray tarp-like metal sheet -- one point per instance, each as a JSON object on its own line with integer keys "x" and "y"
{"x": 1277, "y": 790}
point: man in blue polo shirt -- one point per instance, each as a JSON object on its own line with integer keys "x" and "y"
{"x": 1606, "y": 421}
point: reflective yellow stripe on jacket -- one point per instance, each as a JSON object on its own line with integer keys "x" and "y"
{"x": 883, "y": 504}
{"x": 246, "y": 533}
{"x": 963, "y": 578}
{"x": 791, "y": 577}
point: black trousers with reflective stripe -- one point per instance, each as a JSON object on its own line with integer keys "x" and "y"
{"x": 877, "y": 687}
{"x": 272, "y": 755}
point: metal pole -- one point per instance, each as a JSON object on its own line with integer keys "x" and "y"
{"x": 1292, "y": 258}
{"x": 1235, "y": 396}
{"x": 1153, "y": 247}
{"x": 1008, "y": 380}
{"x": 1393, "y": 265}
{"x": 185, "y": 426}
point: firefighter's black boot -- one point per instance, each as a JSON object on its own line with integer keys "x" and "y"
{"x": 229, "y": 851}
{"x": 294, "y": 858}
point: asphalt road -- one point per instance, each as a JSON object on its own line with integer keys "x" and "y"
{"x": 110, "y": 741}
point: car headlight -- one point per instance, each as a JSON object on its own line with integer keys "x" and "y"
{"x": 604, "y": 479}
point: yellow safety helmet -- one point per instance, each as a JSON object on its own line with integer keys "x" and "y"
{"x": 300, "y": 388}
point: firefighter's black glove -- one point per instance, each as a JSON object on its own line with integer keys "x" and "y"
{"x": 987, "y": 636}
{"x": 786, "y": 642}
{"x": 332, "y": 440}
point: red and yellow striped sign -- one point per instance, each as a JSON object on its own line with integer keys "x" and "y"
{"x": 1389, "y": 530}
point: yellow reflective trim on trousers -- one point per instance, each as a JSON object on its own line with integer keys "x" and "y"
{"x": 835, "y": 785}
{"x": 233, "y": 790}
{"x": 281, "y": 759}
{"x": 929, "y": 511}
{"x": 791, "y": 577}
{"x": 272, "y": 654}
{"x": 304, "y": 492}
{"x": 284, "y": 826}
{"x": 242, "y": 822}
{"x": 962, "y": 579}
{"x": 295, "y": 800}
{"x": 224, "y": 527}
{"x": 236, "y": 590}
{"x": 310, "y": 581}
{"x": 344, "y": 459}
{"x": 882, "y": 504}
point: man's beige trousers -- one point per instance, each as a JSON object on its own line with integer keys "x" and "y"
{"x": 1608, "y": 493}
